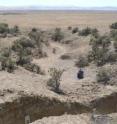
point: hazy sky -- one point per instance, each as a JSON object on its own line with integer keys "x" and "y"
{"x": 81, "y": 3}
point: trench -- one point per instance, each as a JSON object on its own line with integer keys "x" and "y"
{"x": 106, "y": 104}
{"x": 37, "y": 107}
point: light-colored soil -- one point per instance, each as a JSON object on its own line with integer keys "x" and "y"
{"x": 79, "y": 90}
{"x": 77, "y": 119}
{"x": 82, "y": 91}
{"x": 65, "y": 119}
{"x": 52, "y": 19}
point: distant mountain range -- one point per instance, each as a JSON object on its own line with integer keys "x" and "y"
{"x": 4, "y": 8}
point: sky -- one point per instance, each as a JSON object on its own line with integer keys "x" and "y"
{"x": 62, "y": 3}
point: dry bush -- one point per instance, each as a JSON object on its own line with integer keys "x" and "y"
{"x": 85, "y": 31}
{"x": 103, "y": 76}
{"x": 23, "y": 58}
{"x": 115, "y": 46}
{"x": 69, "y": 28}
{"x": 14, "y": 31}
{"x": 75, "y": 30}
{"x": 36, "y": 36}
{"x": 95, "y": 32}
{"x": 4, "y": 28}
{"x": 100, "y": 41}
{"x": 28, "y": 46}
{"x": 23, "y": 42}
{"x": 33, "y": 68}
{"x": 54, "y": 81}
{"x": 54, "y": 50}
{"x": 113, "y": 26}
{"x": 107, "y": 75}
{"x": 64, "y": 57}
{"x": 82, "y": 62}
{"x": 23, "y": 49}
{"x": 58, "y": 35}
{"x": 10, "y": 65}
{"x": 113, "y": 34}
{"x": 111, "y": 57}
{"x": 100, "y": 50}
{"x": 7, "y": 62}
{"x": 89, "y": 31}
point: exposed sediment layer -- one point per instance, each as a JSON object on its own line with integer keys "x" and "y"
{"x": 36, "y": 107}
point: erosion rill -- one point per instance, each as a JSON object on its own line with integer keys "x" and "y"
{"x": 31, "y": 108}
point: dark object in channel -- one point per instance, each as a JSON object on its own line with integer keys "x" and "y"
{"x": 80, "y": 74}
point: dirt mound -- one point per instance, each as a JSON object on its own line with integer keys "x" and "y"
{"x": 65, "y": 119}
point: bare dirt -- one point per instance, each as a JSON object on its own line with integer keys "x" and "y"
{"x": 84, "y": 91}
{"x": 52, "y": 19}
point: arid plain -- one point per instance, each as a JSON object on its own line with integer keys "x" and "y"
{"x": 52, "y": 19}
{"x": 62, "y": 40}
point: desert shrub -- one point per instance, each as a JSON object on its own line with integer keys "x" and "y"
{"x": 95, "y": 32}
{"x": 75, "y": 30}
{"x": 95, "y": 54}
{"x": 54, "y": 51}
{"x": 33, "y": 68}
{"x": 63, "y": 57}
{"x": 85, "y": 32}
{"x": 100, "y": 50}
{"x": 82, "y": 62}
{"x": 115, "y": 45}
{"x": 99, "y": 56}
{"x": 10, "y": 65}
{"x": 91, "y": 56}
{"x": 54, "y": 81}
{"x": 58, "y": 35}
{"x": 102, "y": 41}
{"x": 23, "y": 58}
{"x": 103, "y": 76}
{"x": 7, "y": 62}
{"x": 37, "y": 53}
{"x": 2, "y": 63}
{"x": 4, "y": 28}
{"x": 24, "y": 55}
{"x": 29, "y": 47}
{"x": 15, "y": 30}
{"x": 69, "y": 28}
{"x": 34, "y": 30}
{"x": 113, "y": 26}
{"x": 6, "y": 52}
{"x": 112, "y": 57}
{"x": 36, "y": 36}
{"x": 23, "y": 44}
{"x": 113, "y": 34}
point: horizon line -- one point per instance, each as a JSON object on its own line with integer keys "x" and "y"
{"x": 60, "y": 6}
{"x": 38, "y": 7}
